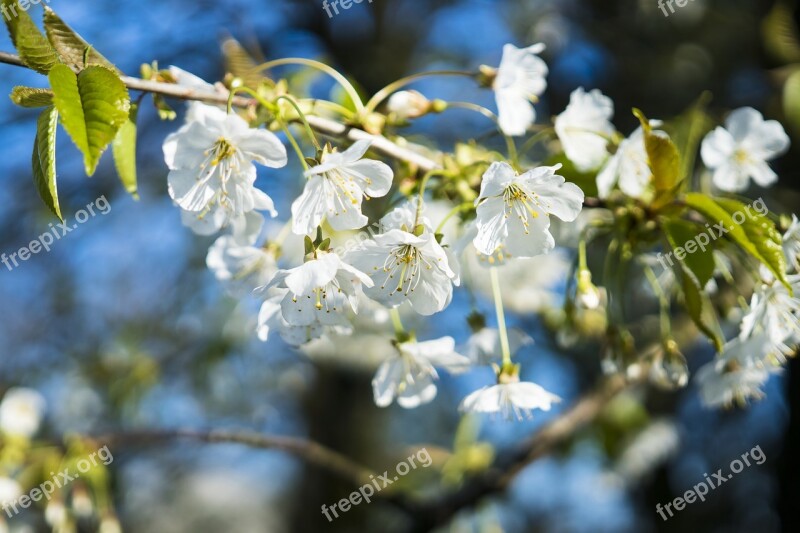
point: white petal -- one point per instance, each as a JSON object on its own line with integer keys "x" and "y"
{"x": 309, "y": 209}
{"x": 263, "y": 147}
{"x": 496, "y": 178}
{"x": 492, "y": 226}
{"x": 516, "y": 112}
{"x": 375, "y": 177}
{"x": 564, "y": 200}
{"x": 718, "y": 148}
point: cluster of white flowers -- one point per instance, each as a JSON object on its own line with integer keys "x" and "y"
{"x": 409, "y": 264}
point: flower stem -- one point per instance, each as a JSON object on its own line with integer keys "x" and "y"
{"x": 387, "y": 91}
{"x": 457, "y": 209}
{"x": 422, "y": 186}
{"x": 501, "y": 317}
{"x": 332, "y": 72}
{"x": 399, "y": 330}
{"x": 302, "y": 115}
{"x": 511, "y": 146}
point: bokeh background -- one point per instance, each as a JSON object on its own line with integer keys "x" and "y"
{"x": 121, "y": 325}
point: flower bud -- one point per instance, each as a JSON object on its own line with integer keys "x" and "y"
{"x": 669, "y": 369}
{"x": 408, "y": 104}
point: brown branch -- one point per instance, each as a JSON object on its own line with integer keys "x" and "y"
{"x": 321, "y": 125}
{"x": 310, "y": 451}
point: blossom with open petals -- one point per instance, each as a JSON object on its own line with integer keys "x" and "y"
{"x": 585, "y": 129}
{"x": 409, "y": 376}
{"x": 212, "y": 174}
{"x": 514, "y": 209}
{"x": 21, "y": 412}
{"x": 775, "y": 311}
{"x": 336, "y": 189}
{"x": 629, "y": 167}
{"x": 519, "y": 81}
{"x": 514, "y": 398}
{"x": 740, "y": 151}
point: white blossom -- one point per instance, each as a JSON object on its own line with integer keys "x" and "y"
{"x": 512, "y": 399}
{"x": 320, "y": 291}
{"x": 514, "y": 209}
{"x": 240, "y": 266}
{"x": 21, "y": 412}
{"x": 585, "y": 128}
{"x": 774, "y": 311}
{"x": 212, "y": 174}
{"x": 741, "y": 150}
{"x": 336, "y": 189}
{"x": 519, "y": 81}
{"x": 791, "y": 244}
{"x": 629, "y": 167}
{"x": 407, "y": 266}
{"x": 409, "y": 376}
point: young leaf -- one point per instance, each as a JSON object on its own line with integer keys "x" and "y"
{"x": 31, "y": 97}
{"x": 93, "y": 106}
{"x": 33, "y": 48}
{"x": 69, "y": 45}
{"x": 240, "y": 63}
{"x": 700, "y": 310}
{"x": 44, "y": 160}
{"x": 664, "y": 159}
{"x": 124, "y": 149}
{"x": 722, "y": 211}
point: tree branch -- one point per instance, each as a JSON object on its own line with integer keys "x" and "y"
{"x": 321, "y": 125}
{"x": 310, "y": 451}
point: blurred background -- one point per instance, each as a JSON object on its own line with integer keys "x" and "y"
{"x": 122, "y": 326}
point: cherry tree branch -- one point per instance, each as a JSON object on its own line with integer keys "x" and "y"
{"x": 310, "y": 451}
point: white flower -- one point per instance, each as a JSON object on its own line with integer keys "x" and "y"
{"x": 483, "y": 347}
{"x": 774, "y": 311}
{"x": 408, "y": 104}
{"x": 320, "y": 290}
{"x": 10, "y": 490}
{"x": 741, "y": 370}
{"x": 190, "y": 81}
{"x": 791, "y": 244}
{"x": 21, "y": 412}
{"x": 409, "y": 376}
{"x": 270, "y": 318}
{"x": 241, "y": 267}
{"x": 211, "y": 171}
{"x": 519, "y": 82}
{"x": 585, "y": 128}
{"x": 517, "y": 398}
{"x": 337, "y": 187}
{"x": 407, "y": 267}
{"x": 741, "y": 149}
{"x": 629, "y": 166}
{"x": 514, "y": 210}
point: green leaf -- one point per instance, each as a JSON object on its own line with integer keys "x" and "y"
{"x": 32, "y": 46}
{"x": 701, "y": 311}
{"x": 756, "y": 234}
{"x": 31, "y": 97}
{"x": 688, "y": 129}
{"x": 663, "y": 156}
{"x": 699, "y": 263}
{"x": 791, "y": 100}
{"x": 124, "y": 148}
{"x": 93, "y": 104}
{"x": 781, "y": 35}
{"x": 763, "y": 234}
{"x": 44, "y": 159}
{"x": 70, "y": 46}
{"x": 241, "y": 63}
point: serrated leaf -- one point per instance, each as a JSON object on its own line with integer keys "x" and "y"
{"x": 764, "y": 236}
{"x": 31, "y": 97}
{"x": 70, "y": 46}
{"x": 43, "y": 160}
{"x": 124, "y": 149}
{"x": 699, "y": 264}
{"x": 33, "y": 48}
{"x": 663, "y": 156}
{"x": 721, "y": 211}
{"x": 93, "y": 105}
{"x": 781, "y": 36}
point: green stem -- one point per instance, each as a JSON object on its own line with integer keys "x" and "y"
{"x": 399, "y": 330}
{"x": 457, "y": 209}
{"x": 302, "y": 115}
{"x": 530, "y": 143}
{"x": 666, "y": 328}
{"x": 501, "y": 317}
{"x": 422, "y": 186}
{"x": 387, "y": 91}
{"x": 511, "y": 146}
{"x": 333, "y": 73}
